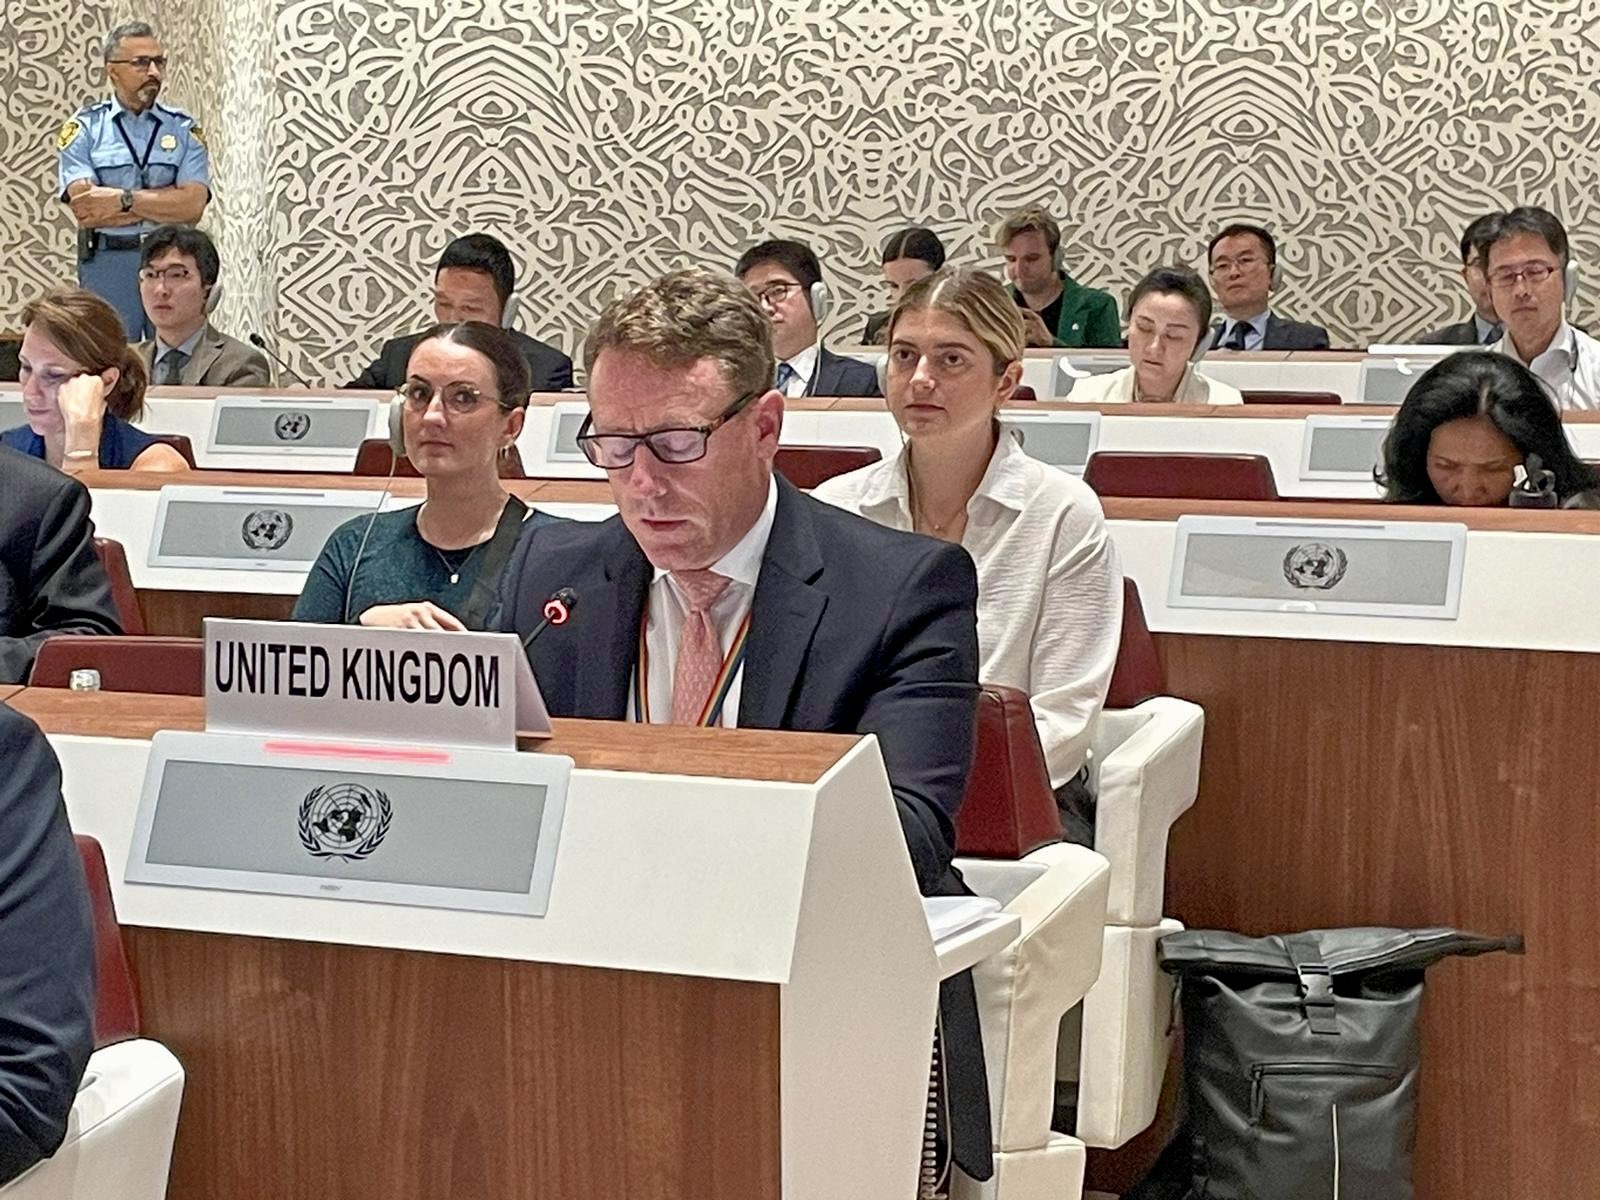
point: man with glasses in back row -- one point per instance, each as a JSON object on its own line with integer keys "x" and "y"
{"x": 1243, "y": 260}
{"x": 127, "y": 164}
{"x": 1531, "y": 282}
{"x": 178, "y": 273}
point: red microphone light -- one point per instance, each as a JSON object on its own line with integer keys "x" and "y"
{"x": 556, "y": 611}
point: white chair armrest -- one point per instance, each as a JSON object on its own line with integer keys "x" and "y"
{"x": 1024, "y": 990}
{"x": 1146, "y": 774}
{"x": 119, "y": 1137}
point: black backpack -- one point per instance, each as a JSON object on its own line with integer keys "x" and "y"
{"x": 1301, "y": 1055}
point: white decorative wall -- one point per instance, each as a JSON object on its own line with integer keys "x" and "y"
{"x": 606, "y": 141}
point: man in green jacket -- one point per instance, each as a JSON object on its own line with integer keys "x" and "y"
{"x": 1057, "y": 310}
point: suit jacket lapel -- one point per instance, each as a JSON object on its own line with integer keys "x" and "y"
{"x": 206, "y": 351}
{"x": 784, "y": 614}
{"x": 822, "y": 378}
{"x": 615, "y": 610}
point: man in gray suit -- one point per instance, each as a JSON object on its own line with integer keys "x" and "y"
{"x": 178, "y": 268}
{"x": 1483, "y": 327}
{"x": 1244, "y": 269}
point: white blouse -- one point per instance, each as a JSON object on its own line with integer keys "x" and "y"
{"x": 1117, "y": 388}
{"x": 1049, "y": 586}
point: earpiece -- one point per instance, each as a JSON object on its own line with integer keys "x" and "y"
{"x": 397, "y": 427}
{"x": 508, "y": 311}
{"x": 1200, "y": 347}
{"x": 213, "y": 297}
{"x": 883, "y": 375}
{"x": 1569, "y": 281}
{"x": 821, "y": 301}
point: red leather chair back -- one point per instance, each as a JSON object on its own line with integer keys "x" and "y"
{"x": 1292, "y": 397}
{"x": 126, "y": 601}
{"x": 374, "y": 456}
{"x": 179, "y": 442}
{"x": 1024, "y": 393}
{"x": 807, "y": 466}
{"x": 1010, "y": 809}
{"x": 1138, "y": 674}
{"x": 1181, "y": 476}
{"x": 116, "y": 1002}
{"x": 166, "y": 666}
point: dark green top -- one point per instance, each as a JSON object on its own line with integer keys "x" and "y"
{"x": 397, "y": 567}
{"x": 1087, "y": 316}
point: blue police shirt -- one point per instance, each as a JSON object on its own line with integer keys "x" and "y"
{"x": 167, "y": 140}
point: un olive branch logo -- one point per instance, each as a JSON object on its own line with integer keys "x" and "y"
{"x": 344, "y": 820}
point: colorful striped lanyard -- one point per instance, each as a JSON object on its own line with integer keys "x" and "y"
{"x": 711, "y": 713}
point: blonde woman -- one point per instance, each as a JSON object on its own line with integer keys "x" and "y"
{"x": 1049, "y": 582}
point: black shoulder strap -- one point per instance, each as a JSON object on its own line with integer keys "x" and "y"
{"x": 486, "y": 585}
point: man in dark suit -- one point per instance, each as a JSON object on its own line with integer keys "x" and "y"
{"x": 51, "y": 580}
{"x": 787, "y": 278}
{"x": 473, "y": 282}
{"x": 1243, "y": 260}
{"x": 1483, "y": 327}
{"x": 852, "y": 628}
{"x": 46, "y": 952}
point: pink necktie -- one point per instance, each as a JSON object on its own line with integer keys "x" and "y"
{"x": 699, "y": 649}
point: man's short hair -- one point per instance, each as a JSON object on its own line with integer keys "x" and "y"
{"x": 1176, "y": 281}
{"x": 795, "y": 257}
{"x": 681, "y": 318}
{"x": 128, "y": 29}
{"x": 1033, "y": 219}
{"x": 1529, "y": 218}
{"x": 1475, "y": 238}
{"x": 1240, "y": 229}
{"x": 480, "y": 252}
{"x": 915, "y": 242}
{"x": 185, "y": 239}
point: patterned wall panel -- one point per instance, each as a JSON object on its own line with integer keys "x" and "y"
{"x": 607, "y": 140}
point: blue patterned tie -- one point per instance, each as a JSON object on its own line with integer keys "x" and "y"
{"x": 785, "y": 374}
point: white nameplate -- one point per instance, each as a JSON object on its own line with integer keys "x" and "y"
{"x": 1388, "y": 380}
{"x": 413, "y": 686}
{"x": 1062, "y": 439}
{"x": 462, "y": 829}
{"x": 566, "y": 420}
{"x": 250, "y": 529}
{"x": 1080, "y": 365}
{"x": 291, "y": 425}
{"x": 1346, "y": 448}
{"x": 1405, "y": 569}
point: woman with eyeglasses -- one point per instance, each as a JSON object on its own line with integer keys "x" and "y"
{"x": 82, "y": 387}
{"x": 437, "y": 565}
{"x": 1049, "y": 582}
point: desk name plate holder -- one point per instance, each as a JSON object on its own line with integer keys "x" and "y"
{"x": 561, "y": 443}
{"x": 305, "y": 783}
{"x": 1060, "y": 438}
{"x": 1069, "y": 368}
{"x": 1363, "y": 568}
{"x": 289, "y": 433}
{"x": 250, "y": 529}
{"x": 1343, "y": 448}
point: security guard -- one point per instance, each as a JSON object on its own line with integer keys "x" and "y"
{"x": 127, "y": 165}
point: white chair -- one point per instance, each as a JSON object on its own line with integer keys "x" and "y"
{"x": 119, "y": 1137}
{"x": 1145, "y": 774}
{"x": 1059, "y": 891}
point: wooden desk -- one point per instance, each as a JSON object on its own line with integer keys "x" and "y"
{"x": 8, "y": 690}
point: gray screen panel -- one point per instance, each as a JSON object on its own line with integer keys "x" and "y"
{"x": 1383, "y": 382}
{"x": 271, "y": 427}
{"x": 441, "y": 833}
{"x": 1059, "y": 443}
{"x": 1356, "y": 449}
{"x": 566, "y": 434}
{"x": 278, "y": 529}
{"x": 1376, "y": 570}
{"x": 1087, "y": 366}
{"x": 11, "y": 411}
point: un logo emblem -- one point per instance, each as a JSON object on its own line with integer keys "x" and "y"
{"x": 344, "y": 820}
{"x": 267, "y": 529}
{"x": 1315, "y": 566}
{"x": 291, "y": 426}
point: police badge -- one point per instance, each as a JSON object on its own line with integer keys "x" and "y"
{"x": 1315, "y": 566}
{"x": 267, "y": 529}
{"x": 344, "y": 820}
{"x": 291, "y": 425}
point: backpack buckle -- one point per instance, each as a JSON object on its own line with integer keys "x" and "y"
{"x": 1317, "y": 998}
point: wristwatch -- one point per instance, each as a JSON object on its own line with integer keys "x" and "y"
{"x": 127, "y": 200}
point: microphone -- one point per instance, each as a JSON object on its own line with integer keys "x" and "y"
{"x": 1535, "y": 486}
{"x": 260, "y": 343}
{"x": 557, "y": 611}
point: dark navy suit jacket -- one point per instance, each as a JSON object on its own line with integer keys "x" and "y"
{"x": 841, "y": 375}
{"x": 46, "y": 952}
{"x": 854, "y": 629}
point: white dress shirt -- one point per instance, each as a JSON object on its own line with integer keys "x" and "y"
{"x": 1569, "y": 367}
{"x": 1117, "y": 388}
{"x": 804, "y": 365}
{"x": 1049, "y": 586}
{"x": 667, "y": 608}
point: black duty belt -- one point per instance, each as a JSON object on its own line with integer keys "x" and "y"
{"x": 121, "y": 241}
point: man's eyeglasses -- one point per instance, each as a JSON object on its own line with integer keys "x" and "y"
{"x": 1244, "y": 263}
{"x": 143, "y": 63}
{"x": 172, "y": 275}
{"x": 774, "y": 294}
{"x": 1534, "y": 273}
{"x": 459, "y": 399}
{"x": 680, "y": 444}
